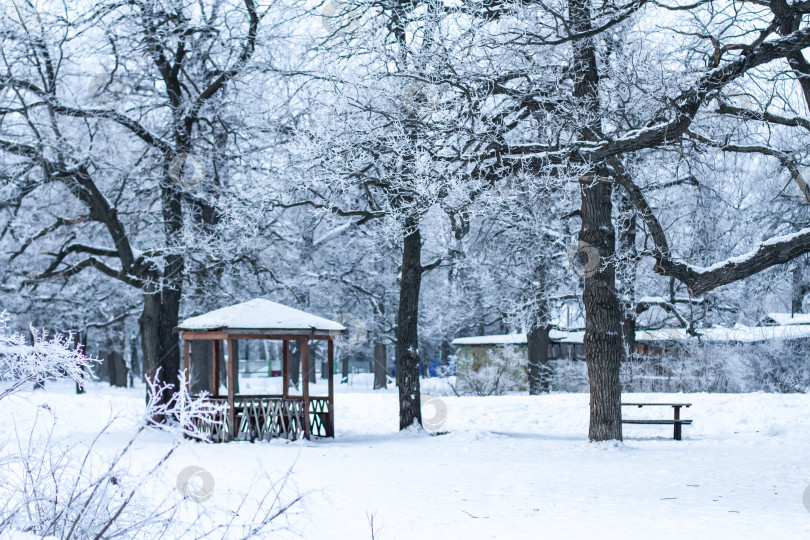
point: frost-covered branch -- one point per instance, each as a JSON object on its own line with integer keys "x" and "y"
{"x": 22, "y": 363}
{"x": 175, "y": 410}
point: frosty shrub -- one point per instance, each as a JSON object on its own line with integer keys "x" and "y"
{"x": 569, "y": 376}
{"x": 698, "y": 369}
{"x": 86, "y": 490}
{"x": 22, "y": 364}
{"x": 501, "y": 371}
{"x": 774, "y": 366}
{"x": 79, "y": 491}
{"x": 780, "y": 366}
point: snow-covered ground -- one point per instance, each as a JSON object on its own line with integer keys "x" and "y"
{"x": 508, "y": 467}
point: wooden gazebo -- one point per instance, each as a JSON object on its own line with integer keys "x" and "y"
{"x": 271, "y": 415}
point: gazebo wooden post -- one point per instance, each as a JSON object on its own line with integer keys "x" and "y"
{"x": 186, "y": 355}
{"x": 305, "y": 383}
{"x": 331, "y": 367}
{"x": 231, "y": 384}
{"x": 215, "y": 366}
{"x": 285, "y": 376}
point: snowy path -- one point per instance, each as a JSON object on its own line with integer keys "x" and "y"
{"x": 511, "y": 467}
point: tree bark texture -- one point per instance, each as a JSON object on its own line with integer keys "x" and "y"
{"x": 407, "y": 333}
{"x": 604, "y": 349}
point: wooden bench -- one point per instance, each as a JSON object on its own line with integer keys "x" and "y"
{"x": 677, "y": 422}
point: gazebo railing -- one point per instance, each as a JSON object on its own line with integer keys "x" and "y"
{"x": 269, "y": 417}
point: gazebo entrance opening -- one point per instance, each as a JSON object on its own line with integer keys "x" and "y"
{"x": 263, "y": 407}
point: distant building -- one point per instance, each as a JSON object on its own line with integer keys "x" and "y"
{"x": 561, "y": 345}
{"x": 507, "y": 355}
{"x": 652, "y": 342}
{"x": 475, "y": 353}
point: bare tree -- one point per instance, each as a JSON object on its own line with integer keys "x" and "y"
{"x": 174, "y": 65}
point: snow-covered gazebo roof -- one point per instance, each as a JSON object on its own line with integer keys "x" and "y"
{"x": 260, "y": 316}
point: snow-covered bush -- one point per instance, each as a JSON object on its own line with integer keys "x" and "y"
{"x": 778, "y": 367}
{"x": 772, "y": 366}
{"x": 502, "y": 370}
{"x": 569, "y": 375}
{"x": 53, "y": 489}
{"x": 22, "y": 364}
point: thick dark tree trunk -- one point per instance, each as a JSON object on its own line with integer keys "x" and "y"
{"x": 539, "y": 369}
{"x": 169, "y": 340}
{"x": 407, "y": 333}
{"x": 379, "y": 365}
{"x": 604, "y": 349}
{"x": 160, "y": 346}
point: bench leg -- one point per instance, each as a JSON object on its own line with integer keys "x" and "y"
{"x": 677, "y": 424}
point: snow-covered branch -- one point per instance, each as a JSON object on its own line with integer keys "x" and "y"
{"x": 22, "y": 363}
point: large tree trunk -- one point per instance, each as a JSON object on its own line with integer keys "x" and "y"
{"x": 539, "y": 369}
{"x": 407, "y": 333}
{"x": 169, "y": 340}
{"x": 604, "y": 349}
{"x": 160, "y": 346}
{"x": 379, "y": 365}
